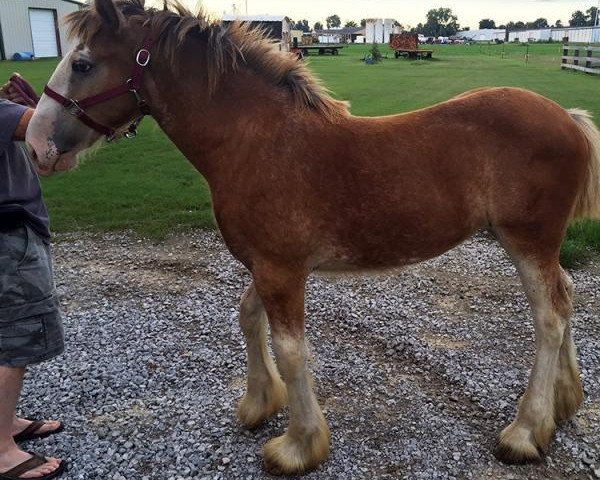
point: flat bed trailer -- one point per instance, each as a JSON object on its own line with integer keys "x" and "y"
{"x": 413, "y": 54}
{"x": 320, "y": 49}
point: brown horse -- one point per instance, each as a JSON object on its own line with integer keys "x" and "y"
{"x": 363, "y": 194}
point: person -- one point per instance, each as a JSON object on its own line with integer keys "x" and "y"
{"x": 30, "y": 320}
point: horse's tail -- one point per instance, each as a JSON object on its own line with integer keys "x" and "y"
{"x": 588, "y": 202}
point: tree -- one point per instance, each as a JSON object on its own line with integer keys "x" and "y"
{"x": 302, "y": 25}
{"x": 318, "y": 26}
{"x": 539, "y": 23}
{"x": 441, "y": 22}
{"x": 396, "y": 23}
{"x": 363, "y": 22}
{"x": 558, "y": 24}
{"x": 592, "y": 15}
{"x": 350, "y": 24}
{"x": 333, "y": 21}
{"x": 487, "y": 23}
{"x": 578, "y": 19}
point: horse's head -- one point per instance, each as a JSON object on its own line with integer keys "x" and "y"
{"x": 70, "y": 116}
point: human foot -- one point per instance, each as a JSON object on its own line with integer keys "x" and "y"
{"x": 15, "y": 463}
{"x": 28, "y": 429}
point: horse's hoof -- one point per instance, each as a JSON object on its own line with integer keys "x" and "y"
{"x": 254, "y": 410}
{"x": 516, "y": 445}
{"x": 286, "y": 455}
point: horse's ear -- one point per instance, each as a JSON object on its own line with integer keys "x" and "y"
{"x": 108, "y": 13}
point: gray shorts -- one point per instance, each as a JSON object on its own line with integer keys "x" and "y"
{"x": 30, "y": 321}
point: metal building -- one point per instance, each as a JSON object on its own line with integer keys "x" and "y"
{"x": 574, "y": 34}
{"x": 35, "y": 26}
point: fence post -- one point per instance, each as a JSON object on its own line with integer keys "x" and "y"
{"x": 564, "y": 61}
{"x": 588, "y": 60}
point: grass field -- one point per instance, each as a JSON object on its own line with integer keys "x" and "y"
{"x": 145, "y": 185}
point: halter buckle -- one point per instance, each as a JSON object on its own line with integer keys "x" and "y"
{"x": 73, "y": 108}
{"x": 139, "y": 61}
{"x": 135, "y": 92}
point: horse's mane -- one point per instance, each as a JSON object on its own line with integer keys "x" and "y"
{"x": 228, "y": 47}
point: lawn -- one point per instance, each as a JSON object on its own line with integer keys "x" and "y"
{"x": 145, "y": 185}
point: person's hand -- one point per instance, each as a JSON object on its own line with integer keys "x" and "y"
{"x": 17, "y": 90}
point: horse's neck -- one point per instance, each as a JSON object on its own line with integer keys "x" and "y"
{"x": 209, "y": 130}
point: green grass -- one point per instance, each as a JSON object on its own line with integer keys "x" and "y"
{"x": 146, "y": 185}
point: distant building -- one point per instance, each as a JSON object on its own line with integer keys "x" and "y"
{"x": 531, "y": 35}
{"x": 574, "y": 34}
{"x": 482, "y": 35}
{"x": 378, "y": 30}
{"x": 340, "y": 35}
{"x": 35, "y": 26}
{"x": 278, "y": 27}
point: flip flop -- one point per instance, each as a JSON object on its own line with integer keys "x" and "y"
{"x": 30, "y": 431}
{"x": 35, "y": 461}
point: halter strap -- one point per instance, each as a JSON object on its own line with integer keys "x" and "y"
{"x": 77, "y": 107}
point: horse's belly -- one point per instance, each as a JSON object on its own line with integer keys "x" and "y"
{"x": 390, "y": 249}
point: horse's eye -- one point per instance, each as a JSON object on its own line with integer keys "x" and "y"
{"x": 81, "y": 66}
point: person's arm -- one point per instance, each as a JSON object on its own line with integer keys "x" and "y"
{"x": 14, "y": 120}
{"x": 21, "y": 129}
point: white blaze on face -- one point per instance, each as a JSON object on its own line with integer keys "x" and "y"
{"x": 51, "y": 117}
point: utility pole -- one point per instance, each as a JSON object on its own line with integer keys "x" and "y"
{"x": 247, "y": 8}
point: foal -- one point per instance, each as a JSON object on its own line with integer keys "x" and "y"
{"x": 371, "y": 193}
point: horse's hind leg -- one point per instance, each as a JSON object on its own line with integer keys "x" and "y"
{"x": 553, "y": 389}
{"x": 568, "y": 392}
{"x": 265, "y": 392}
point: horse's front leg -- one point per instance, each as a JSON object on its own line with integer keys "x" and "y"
{"x": 305, "y": 444}
{"x": 265, "y": 392}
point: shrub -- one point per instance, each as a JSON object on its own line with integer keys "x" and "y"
{"x": 375, "y": 53}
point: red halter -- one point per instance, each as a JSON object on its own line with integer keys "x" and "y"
{"x": 77, "y": 107}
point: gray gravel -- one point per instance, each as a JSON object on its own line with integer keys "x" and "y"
{"x": 416, "y": 371}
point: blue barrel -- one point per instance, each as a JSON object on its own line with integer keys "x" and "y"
{"x": 22, "y": 56}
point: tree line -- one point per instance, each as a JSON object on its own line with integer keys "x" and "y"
{"x": 578, "y": 19}
{"x": 442, "y": 22}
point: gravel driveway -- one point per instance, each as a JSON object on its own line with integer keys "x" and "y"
{"x": 416, "y": 371}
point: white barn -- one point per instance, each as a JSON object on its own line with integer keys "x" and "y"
{"x": 35, "y": 26}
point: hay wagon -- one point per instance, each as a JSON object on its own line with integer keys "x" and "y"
{"x": 407, "y": 45}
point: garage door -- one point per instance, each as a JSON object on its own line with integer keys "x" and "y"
{"x": 43, "y": 31}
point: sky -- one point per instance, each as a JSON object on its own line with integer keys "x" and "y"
{"x": 409, "y": 12}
